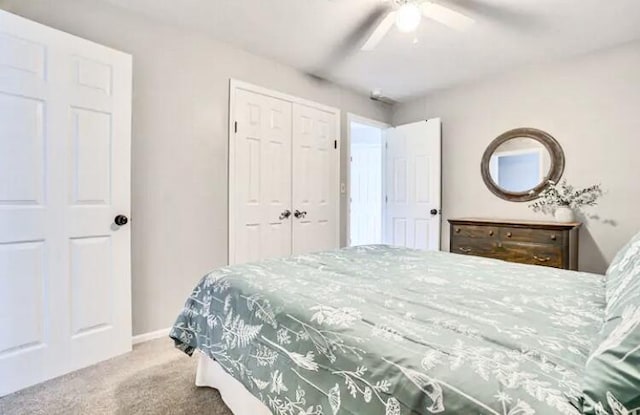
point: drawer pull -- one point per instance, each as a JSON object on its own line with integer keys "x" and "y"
{"x": 540, "y": 259}
{"x": 509, "y": 234}
{"x": 553, "y": 237}
{"x": 465, "y": 250}
{"x": 458, "y": 230}
{"x": 490, "y": 233}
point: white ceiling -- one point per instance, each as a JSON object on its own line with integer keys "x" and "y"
{"x": 507, "y": 34}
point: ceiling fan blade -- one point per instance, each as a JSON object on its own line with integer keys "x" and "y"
{"x": 349, "y": 44}
{"x": 446, "y": 16}
{"x": 380, "y": 32}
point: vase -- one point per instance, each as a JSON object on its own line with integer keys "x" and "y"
{"x": 564, "y": 214}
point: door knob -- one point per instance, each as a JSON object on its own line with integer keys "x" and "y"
{"x": 299, "y": 214}
{"x": 434, "y": 212}
{"x": 121, "y": 220}
{"x": 285, "y": 214}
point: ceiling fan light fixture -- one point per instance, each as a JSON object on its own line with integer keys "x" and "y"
{"x": 408, "y": 17}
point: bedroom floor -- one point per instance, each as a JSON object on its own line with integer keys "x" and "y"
{"x": 154, "y": 378}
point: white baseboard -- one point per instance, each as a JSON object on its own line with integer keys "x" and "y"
{"x": 145, "y": 337}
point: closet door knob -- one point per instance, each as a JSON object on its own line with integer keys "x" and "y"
{"x": 285, "y": 214}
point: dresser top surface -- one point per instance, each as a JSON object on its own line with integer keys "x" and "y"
{"x": 515, "y": 222}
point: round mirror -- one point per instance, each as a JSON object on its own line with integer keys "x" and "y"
{"x": 518, "y": 165}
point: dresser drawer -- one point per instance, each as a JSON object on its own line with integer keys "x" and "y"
{"x": 546, "y": 255}
{"x": 472, "y": 231}
{"x": 538, "y": 236}
{"x": 473, "y": 246}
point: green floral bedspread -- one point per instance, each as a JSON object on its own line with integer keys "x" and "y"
{"x": 382, "y": 330}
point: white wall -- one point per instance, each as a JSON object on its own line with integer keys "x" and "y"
{"x": 180, "y": 121}
{"x": 590, "y": 104}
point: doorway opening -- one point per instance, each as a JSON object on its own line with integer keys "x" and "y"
{"x": 366, "y": 184}
{"x": 394, "y": 183}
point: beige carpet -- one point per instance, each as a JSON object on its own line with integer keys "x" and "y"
{"x": 153, "y": 379}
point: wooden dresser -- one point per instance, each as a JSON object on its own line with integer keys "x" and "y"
{"x": 550, "y": 244}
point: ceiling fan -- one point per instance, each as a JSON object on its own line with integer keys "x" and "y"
{"x": 407, "y": 15}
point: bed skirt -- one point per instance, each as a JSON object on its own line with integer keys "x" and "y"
{"x": 234, "y": 394}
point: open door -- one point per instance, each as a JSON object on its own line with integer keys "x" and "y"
{"x": 65, "y": 244}
{"x": 413, "y": 185}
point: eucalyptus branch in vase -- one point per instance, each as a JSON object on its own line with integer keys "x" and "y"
{"x": 564, "y": 199}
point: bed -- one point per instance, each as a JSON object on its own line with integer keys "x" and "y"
{"x": 386, "y": 330}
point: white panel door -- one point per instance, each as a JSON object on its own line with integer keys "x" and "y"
{"x": 413, "y": 181}
{"x": 98, "y": 159}
{"x": 315, "y": 179}
{"x": 261, "y": 178}
{"x": 65, "y": 114}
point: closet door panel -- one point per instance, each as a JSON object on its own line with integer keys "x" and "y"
{"x": 315, "y": 180}
{"x": 262, "y": 173}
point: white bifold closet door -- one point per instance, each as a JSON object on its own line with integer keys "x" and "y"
{"x": 263, "y": 175}
{"x": 65, "y": 279}
{"x": 283, "y": 175}
{"x": 315, "y": 176}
